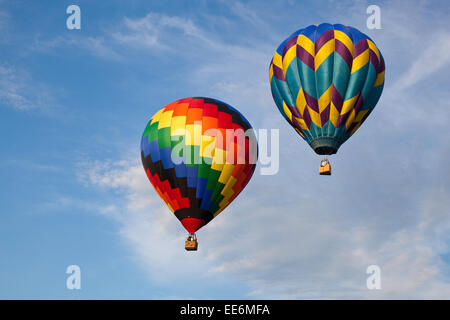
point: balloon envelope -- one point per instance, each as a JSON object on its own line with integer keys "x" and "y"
{"x": 199, "y": 154}
{"x": 326, "y": 79}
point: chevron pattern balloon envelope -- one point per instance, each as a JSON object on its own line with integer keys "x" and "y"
{"x": 326, "y": 79}
{"x": 199, "y": 154}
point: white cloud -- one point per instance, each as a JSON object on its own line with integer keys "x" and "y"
{"x": 434, "y": 57}
{"x": 146, "y": 225}
{"x": 246, "y": 13}
{"x": 20, "y": 91}
{"x": 155, "y": 31}
{"x": 150, "y": 32}
{"x": 300, "y": 249}
{"x": 96, "y": 46}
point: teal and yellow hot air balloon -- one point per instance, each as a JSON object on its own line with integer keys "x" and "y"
{"x": 199, "y": 154}
{"x": 326, "y": 79}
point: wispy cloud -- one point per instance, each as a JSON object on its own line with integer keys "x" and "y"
{"x": 18, "y": 90}
{"x": 145, "y": 225}
{"x": 151, "y": 31}
{"x": 95, "y": 46}
{"x": 296, "y": 250}
{"x": 230, "y": 71}
{"x": 246, "y": 13}
{"x": 434, "y": 57}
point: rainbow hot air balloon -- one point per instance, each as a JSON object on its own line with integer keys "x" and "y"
{"x": 326, "y": 79}
{"x": 199, "y": 154}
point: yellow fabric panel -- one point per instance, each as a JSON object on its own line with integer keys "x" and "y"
{"x": 380, "y": 79}
{"x": 334, "y": 114}
{"x": 157, "y": 115}
{"x": 301, "y": 102}
{"x": 219, "y": 159}
{"x": 277, "y": 60}
{"x": 325, "y": 99}
{"x": 193, "y": 134}
{"x": 315, "y": 117}
{"x": 208, "y": 146}
{"x": 306, "y": 44}
{"x": 226, "y": 173}
{"x": 324, "y": 52}
{"x": 360, "y": 61}
{"x": 301, "y": 123}
{"x": 178, "y": 122}
{"x": 222, "y": 205}
{"x": 287, "y": 111}
{"x": 348, "y": 104}
{"x": 355, "y": 119}
{"x": 288, "y": 57}
{"x": 165, "y": 119}
{"x": 350, "y": 118}
{"x": 344, "y": 38}
{"x": 270, "y": 72}
{"x": 374, "y": 48}
{"x": 360, "y": 115}
{"x": 227, "y": 192}
{"x": 355, "y": 128}
{"x": 299, "y": 132}
{"x": 189, "y": 135}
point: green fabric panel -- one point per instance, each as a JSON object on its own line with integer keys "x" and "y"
{"x": 356, "y": 82}
{"x": 307, "y": 78}
{"x": 175, "y": 140}
{"x": 315, "y": 130}
{"x": 373, "y": 98}
{"x": 164, "y": 138}
{"x": 151, "y": 131}
{"x": 203, "y": 169}
{"x": 370, "y": 81}
{"x": 194, "y": 156}
{"x": 328, "y": 129}
{"x": 324, "y": 75}
{"x": 213, "y": 179}
{"x": 341, "y": 74}
{"x": 340, "y": 134}
{"x": 285, "y": 92}
{"x": 277, "y": 96}
{"x": 293, "y": 80}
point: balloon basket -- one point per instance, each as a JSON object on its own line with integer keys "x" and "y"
{"x": 325, "y": 168}
{"x": 191, "y": 245}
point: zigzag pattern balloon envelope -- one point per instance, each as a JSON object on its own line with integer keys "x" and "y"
{"x": 326, "y": 79}
{"x": 197, "y": 157}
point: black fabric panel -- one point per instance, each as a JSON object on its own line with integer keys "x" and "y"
{"x": 222, "y": 107}
{"x": 194, "y": 213}
{"x": 174, "y": 181}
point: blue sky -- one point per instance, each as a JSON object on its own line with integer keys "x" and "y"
{"x": 74, "y": 103}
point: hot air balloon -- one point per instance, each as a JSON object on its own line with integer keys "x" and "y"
{"x": 326, "y": 79}
{"x": 199, "y": 154}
